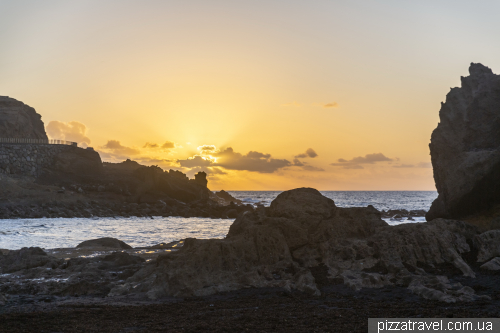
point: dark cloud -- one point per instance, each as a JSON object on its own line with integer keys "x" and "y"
{"x": 253, "y": 161}
{"x": 168, "y": 145}
{"x": 331, "y": 105}
{"x": 367, "y": 159}
{"x": 150, "y": 145}
{"x": 256, "y": 154}
{"x": 309, "y": 153}
{"x": 403, "y": 166}
{"x": 154, "y": 161}
{"x": 115, "y": 147}
{"x": 72, "y": 131}
{"x": 231, "y": 160}
{"x": 195, "y": 161}
{"x": 306, "y": 166}
{"x": 296, "y": 162}
{"x": 207, "y": 149}
{"x": 312, "y": 168}
{"x": 208, "y": 171}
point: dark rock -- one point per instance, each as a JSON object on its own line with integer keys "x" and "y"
{"x": 78, "y": 161}
{"x": 224, "y": 198}
{"x": 18, "y": 120}
{"x": 122, "y": 259}
{"x": 315, "y": 243}
{"x": 106, "y": 242}
{"x": 201, "y": 179}
{"x": 232, "y": 213}
{"x": 302, "y": 201}
{"x": 26, "y": 258}
{"x": 465, "y": 147}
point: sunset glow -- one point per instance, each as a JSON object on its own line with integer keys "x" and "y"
{"x": 260, "y": 95}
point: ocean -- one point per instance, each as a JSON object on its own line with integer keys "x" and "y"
{"x": 51, "y": 233}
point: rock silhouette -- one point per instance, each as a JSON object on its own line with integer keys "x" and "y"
{"x": 303, "y": 241}
{"x": 18, "y": 120}
{"x": 465, "y": 147}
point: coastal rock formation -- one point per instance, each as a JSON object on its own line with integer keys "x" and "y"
{"x": 223, "y": 198}
{"x": 26, "y": 258}
{"x": 465, "y": 147}
{"x": 35, "y": 272}
{"x": 106, "y": 242}
{"x": 303, "y": 241}
{"x": 18, "y": 120}
{"x": 78, "y": 161}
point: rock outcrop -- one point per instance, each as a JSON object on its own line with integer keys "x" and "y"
{"x": 303, "y": 241}
{"x": 78, "y": 161}
{"x": 106, "y": 242}
{"x": 465, "y": 147}
{"x": 18, "y": 120}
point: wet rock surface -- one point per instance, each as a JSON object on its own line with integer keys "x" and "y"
{"x": 320, "y": 244}
{"x": 465, "y": 147}
{"x": 324, "y": 267}
{"x": 338, "y": 309}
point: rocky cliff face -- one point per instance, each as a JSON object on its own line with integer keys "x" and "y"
{"x": 18, "y": 120}
{"x": 303, "y": 241}
{"x": 465, "y": 147}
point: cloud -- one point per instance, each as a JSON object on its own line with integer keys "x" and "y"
{"x": 153, "y": 161}
{"x": 168, "y": 145}
{"x": 256, "y": 154}
{"x": 209, "y": 171}
{"x": 208, "y": 149}
{"x": 327, "y": 105}
{"x": 195, "y": 161}
{"x": 150, "y": 145}
{"x": 229, "y": 159}
{"x": 352, "y": 166}
{"x": 294, "y": 104}
{"x": 367, "y": 159}
{"x": 424, "y": 165}
{"x": 115, "y": 147}
{"x": 72, "y": 131}
{"x": 331, "y": 105}
{"x": 312, "y": 168}
{"x": 306, "y": 166}
{"x": 309, "y": 153}
{"x": 253, "y": 161}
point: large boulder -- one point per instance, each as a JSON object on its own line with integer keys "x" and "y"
{"x": 26, "y": 258}
{"x": 18, "y": 120}
{"x": 105, "y": 242}
{"x": 465, "y": 147}
{"x": 303, "y": 241}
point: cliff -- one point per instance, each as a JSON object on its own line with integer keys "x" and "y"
{"x": 465, "y": 147}
{"x": 18, "y": 120}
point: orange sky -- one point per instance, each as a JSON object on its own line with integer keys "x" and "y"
{"x": 358, "y": 83}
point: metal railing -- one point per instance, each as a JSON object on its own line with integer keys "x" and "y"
{"x": 38, "y": 141}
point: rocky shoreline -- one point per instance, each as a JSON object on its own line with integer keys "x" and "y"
{"x": 301, "y": 264}
{"x": 93, "y": 208}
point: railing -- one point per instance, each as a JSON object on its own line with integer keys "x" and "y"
{"x": 38, "y": 141}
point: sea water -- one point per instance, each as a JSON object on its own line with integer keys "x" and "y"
{"x": 139, "y": 231}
